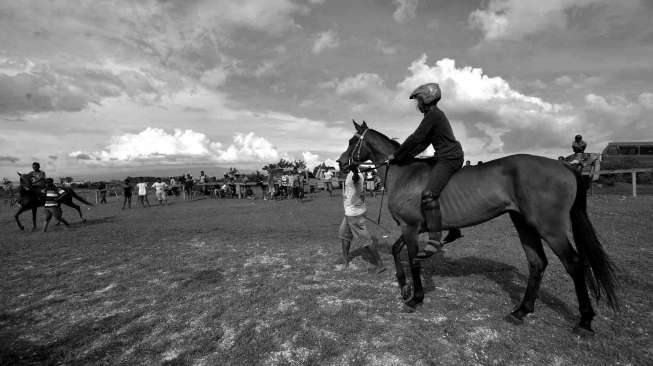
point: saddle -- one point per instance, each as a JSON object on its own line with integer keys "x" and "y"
{"x": 430, "y": 160}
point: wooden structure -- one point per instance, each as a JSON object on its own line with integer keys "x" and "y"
{"x": 633, "y": 173}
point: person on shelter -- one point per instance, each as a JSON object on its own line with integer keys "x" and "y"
{"x": 578, "y": 146}
{"x": 435, "y": 130}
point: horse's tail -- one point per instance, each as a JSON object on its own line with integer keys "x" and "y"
{"x": 600, "y": 271}
{"x": 80, "y": 198}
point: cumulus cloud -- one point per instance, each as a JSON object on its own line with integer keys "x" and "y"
{"x": 617, "y": 117}
{"x": 312, "y": 160}
{"x": 325, "y": 40}
{"x": 514, "y": 19}
{"x": 10, "y": 159}
{"x": 384, "y": 48}
{"x": 405, "y": 10}
{"x": 155, "y": 145}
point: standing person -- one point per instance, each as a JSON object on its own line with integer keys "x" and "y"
{"x": 353, "y": 224}
{"x": 434, "y": 129}
{"x": 127, "y": 193}
{"x": 102, "y": 188}
{"x": 328, "y": 175}
{"x": 370, "y": 182}
{"x": 52, "y": 207}
{"x": 37, "y": 178}
{"x": 160, "y": 191}
{"x": 173, "y": 187}
{"x": 468, "y": 163}
{"x": 188, "y": 186}
{"x": 142, "y": 193}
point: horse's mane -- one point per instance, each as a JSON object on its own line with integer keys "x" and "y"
{"x": 395, "y": 144}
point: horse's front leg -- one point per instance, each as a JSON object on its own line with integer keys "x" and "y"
{"x": 33, "y": 218}
{"x": 17, "y": 217}
{"x": 399, "y": 268}
{"x": 411, "y": 236}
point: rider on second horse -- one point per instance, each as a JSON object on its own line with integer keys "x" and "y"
{"x": 434, "y": 129}
{"x": 36, "y": 178}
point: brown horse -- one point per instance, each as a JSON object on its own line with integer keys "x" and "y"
{"x": 544, "y": 198}
{"x": 31, "y": 200}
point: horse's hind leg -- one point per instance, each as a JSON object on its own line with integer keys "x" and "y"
{"x": 79, "y": 210}
{"x": 33, "y": 218}
{"x": 570, "y": 259}
{"x": 537, "y": 262}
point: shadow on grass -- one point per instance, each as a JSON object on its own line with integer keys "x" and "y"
{"x": 506, "y": 276}
{"x": 96, "y": 221}
{"x": 15, "y": 350}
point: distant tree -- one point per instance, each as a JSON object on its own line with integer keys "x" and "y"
{"x": 296, "y": 165}
{"x": 7, "y": 185}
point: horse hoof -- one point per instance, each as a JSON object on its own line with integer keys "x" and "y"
{"x": 583, "y": 331}
{"x": 406, "y": 292}
{"x": 408, "y": 309}
{"x": 512, "y": 318}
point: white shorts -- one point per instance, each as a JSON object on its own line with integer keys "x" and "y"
{"x": 161, "y": 195}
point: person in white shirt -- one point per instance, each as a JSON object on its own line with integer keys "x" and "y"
{"x": 160, "y": 191}
{"x": 328, "y": 174}
{"x": 353, "y": 224}
{"x": 142, "y": 193}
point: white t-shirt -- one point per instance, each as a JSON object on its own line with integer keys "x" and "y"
{"x": 159, "y": 186}
{"x": 142, "y": 188}
{"x": 353, "y": 196}
{"x": 328, "y": 175}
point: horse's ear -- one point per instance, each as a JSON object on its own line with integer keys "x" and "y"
{"x": 364, "y": 125}
{"x": 357, "y": 126}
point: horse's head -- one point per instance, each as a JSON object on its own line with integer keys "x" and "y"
{"x": 357, "y": 151}
{"x": 25, "y": 182}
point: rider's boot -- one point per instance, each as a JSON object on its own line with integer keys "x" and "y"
{"x": 431, "y": 208}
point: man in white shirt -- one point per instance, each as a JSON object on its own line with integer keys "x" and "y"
{"x": 328, "y": 175}
{"x": 160, "y": 190}
{"x": 142, "y": 192}
{"x": 353, "y": 224}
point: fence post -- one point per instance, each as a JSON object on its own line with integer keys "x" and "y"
{"x": 634, "y": 178}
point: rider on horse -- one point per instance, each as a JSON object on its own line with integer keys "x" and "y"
{"x": 435, "y": 130}
{"x": 36, "y": 178}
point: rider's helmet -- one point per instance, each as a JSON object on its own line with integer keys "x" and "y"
{"x": 578, "y": 137}
{"x": 428, "y": 93}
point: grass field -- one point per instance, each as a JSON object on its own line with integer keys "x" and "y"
{"x": 238, "y": 282}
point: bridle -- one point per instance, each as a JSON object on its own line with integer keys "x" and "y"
{"x": 357, "y": 152}
{"x": 358, "y": 147}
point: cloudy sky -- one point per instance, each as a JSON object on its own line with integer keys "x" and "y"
{"x": 96, "y": 86}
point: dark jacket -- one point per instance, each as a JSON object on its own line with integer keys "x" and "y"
{"x": 434, "y": 129}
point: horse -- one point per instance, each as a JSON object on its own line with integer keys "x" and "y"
{"x": 31, "y": 200}
{"x": 546, "y": 200}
